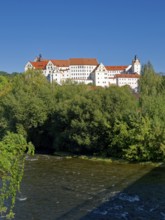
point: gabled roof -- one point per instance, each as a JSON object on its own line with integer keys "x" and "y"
{"x": 113, "y": 68}
{"x": 97, "y": 67}
{"x": 39, "y": 64}
{"x": 83, "y": 61}
{"x": 132, "y": 75}
{"x": 60, "y": 63}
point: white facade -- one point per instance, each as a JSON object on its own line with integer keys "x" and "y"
{"x": 128, "y": 79}
{"x": 88, "y": 70}
{"x": 28, "y": 66}
{"x": 136, "y": 66}
{"x": 57, "y": 70}
{"x": 100, "y": 75}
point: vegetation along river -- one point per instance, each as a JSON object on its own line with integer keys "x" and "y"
{"x": 56, "y": 188}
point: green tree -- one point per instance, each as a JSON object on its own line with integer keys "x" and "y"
{"x": 28, "y": 104}
{"x": 13, "y": 149}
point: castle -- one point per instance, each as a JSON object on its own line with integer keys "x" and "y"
{"x": 88, "y": 70}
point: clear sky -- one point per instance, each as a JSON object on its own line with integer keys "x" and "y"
{"x": 113, "y": 31}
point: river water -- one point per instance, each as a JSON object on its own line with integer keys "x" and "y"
{"x": 56, "y": 188}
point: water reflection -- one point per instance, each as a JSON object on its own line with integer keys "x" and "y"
{"x": 61, "y": 189}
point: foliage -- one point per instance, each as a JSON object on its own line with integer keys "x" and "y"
{"x": 12, "y": 155}
{"x": 28, "y": 104}
{"x": 5, "y": 85}
{"x": 3, "y": 73}
{"x": 84, "y": 123}
{"x": 111, "y": 122}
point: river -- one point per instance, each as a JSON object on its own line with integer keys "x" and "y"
{"x": 55, "y": 188}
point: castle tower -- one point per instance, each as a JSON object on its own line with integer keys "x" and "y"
{"x": 136, "y": 65}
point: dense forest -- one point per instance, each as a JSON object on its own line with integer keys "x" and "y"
{"x": 80, "y": 119}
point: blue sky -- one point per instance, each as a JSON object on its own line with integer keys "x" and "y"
{"x": 113, "y": 31}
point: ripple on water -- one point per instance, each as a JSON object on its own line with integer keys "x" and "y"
{"x": 31, "y": 159}
{"x": 163, "y": 215}
{"x": 21, "y": 199}
{"x": 129, "y": 198}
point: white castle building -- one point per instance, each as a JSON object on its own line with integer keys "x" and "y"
{"x": 88, "y": 70}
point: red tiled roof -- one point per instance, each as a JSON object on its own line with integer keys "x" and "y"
{"x": 132, "y": 75}
{"x": 39, "y": 64}
{"x": 83, "y": 61}
{"x": 61, "y": 63}
{"x": 65, "y": 63}
{"x": 110, "y": 68}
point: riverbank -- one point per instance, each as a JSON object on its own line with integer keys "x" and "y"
{"x": 105, "y": 159}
